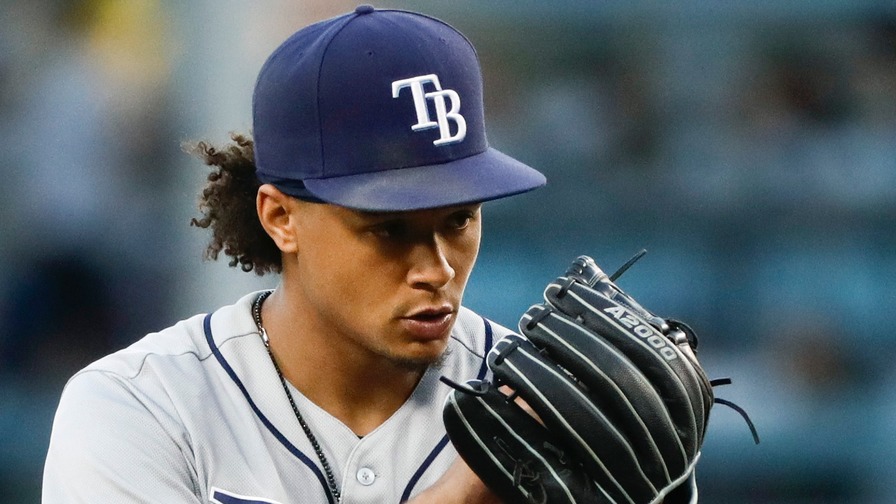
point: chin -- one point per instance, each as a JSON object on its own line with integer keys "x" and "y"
{"x": 423, "y": 360}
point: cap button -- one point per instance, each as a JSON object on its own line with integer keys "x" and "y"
{"x": 364, "y": 9}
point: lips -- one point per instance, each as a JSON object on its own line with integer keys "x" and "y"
{"x": 429, "y": 323}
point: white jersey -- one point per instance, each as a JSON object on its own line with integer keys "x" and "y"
{"x": 196, "y": 413}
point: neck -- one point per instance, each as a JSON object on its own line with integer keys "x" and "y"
{"x": 360, "y": 389}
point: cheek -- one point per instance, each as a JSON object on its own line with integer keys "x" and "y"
{"x": 467, "y": 251}
{"x": 352, "y": 279}
{"x": 342, "y": 299}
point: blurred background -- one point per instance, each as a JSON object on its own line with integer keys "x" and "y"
{"x": 749, "y": 146}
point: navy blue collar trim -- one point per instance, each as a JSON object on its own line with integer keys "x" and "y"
{"x": 207, "y": 325}
{"x": 444, "y": 441}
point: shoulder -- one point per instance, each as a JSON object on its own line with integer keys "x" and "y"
{"x": 173, "y": 349}
{"x": 157, "y": 374}
{"x": 178, "y": 341}
{"x": 162, "y": 370}
{"x": 173, "y": 358}
{"x": 106, "y": 420}
{"x": 135, "y": 408}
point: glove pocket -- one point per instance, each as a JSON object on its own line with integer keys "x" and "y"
{"x": 511, "y": 452}
{"x": 616, "y": 386}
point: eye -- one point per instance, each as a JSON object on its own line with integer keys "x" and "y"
{"x": 460, "y": 220}
{"x": 390, "y": 229}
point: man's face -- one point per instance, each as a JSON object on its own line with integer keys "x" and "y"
{"x": 387, "y": 285}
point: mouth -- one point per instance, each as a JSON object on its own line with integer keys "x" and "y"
{"x": 431, "y": 313}
{"x": 430, "y": 323}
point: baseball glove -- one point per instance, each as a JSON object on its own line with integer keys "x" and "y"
{"x": 616, "y": 403}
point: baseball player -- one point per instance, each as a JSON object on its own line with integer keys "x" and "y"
{"x": 364, "y": 191}
{"x": 362, "y": 186}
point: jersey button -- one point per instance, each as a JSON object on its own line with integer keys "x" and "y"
{"x": 366, "y": 476}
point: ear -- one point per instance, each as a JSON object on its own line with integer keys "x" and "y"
{"x": 275, "y": 211}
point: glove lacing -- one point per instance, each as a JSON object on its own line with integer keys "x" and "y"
{"x": 524, "y": 476}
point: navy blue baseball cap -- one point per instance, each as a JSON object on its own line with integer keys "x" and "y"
{"x": 379, "y": 110}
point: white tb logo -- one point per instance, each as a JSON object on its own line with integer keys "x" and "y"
{"x": 443, "y": 114}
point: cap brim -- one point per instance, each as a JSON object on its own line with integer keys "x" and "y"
{"x": 482, "y": 177}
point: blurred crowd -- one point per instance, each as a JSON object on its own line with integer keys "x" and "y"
{"x": 750, "y": 147}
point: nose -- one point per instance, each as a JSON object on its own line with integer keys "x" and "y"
{"x": 430, "y": 268}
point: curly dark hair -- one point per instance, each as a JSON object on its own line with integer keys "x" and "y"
{"x": 228, "y": 207}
